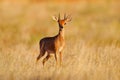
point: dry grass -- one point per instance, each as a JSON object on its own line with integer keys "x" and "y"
{"x": 92, "y": 49}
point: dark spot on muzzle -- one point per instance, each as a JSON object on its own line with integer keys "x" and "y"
{"x": 61, "y": 27}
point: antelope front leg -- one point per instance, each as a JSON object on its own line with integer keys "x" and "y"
{"x": 60, "y": 58}
{"x": 56, "y": 58}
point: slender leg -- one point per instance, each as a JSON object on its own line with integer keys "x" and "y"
{"x": 56, "y": 58}
{"x": 60, "y": 58}
{"x": 45, "y": 59}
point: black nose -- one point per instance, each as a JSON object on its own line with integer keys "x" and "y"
{"x": 61, "y": 27}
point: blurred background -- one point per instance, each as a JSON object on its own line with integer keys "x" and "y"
{"x": 93, "y": 34}
{"x": 27, "y": 21}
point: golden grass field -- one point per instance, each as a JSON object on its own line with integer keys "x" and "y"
{"x": 92, "y": 50}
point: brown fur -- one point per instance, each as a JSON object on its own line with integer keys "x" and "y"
{"x": 54, "y": 44}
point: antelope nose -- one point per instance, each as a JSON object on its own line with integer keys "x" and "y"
{"x": 61, "y": 27}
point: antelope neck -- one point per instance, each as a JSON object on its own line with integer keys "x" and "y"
{"x": 61, "y": 31}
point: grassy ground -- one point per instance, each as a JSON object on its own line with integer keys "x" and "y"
{"x": 92, "y": 50}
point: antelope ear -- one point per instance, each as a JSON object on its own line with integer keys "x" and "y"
{"x": 55, "y": 18}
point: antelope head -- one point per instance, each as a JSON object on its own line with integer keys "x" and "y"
{"x": 62, "y": 22}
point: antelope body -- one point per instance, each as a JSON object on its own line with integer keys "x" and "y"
{"x": 54, "y": 44}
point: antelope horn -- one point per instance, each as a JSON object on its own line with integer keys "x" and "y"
{"x": 65, "y": 16}
{"x": 59, "y": 16}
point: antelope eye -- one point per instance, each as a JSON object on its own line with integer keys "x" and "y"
{"x": 64, "y": 23}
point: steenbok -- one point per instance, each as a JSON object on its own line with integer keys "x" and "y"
{"x": 54, "y": 45}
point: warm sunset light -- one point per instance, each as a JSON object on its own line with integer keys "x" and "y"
{"x": 59, "y": 39}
